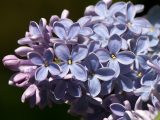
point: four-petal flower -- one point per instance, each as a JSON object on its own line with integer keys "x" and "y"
{"x": 45, "y": 64}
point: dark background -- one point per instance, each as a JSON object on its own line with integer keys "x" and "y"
{"x": 15, "y": 16}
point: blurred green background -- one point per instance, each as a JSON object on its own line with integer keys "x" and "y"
{"x": 15, "y": 16}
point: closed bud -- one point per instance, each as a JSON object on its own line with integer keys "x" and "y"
{"x": 89, "y": 10}
{"x": 11, "y": 61}
{"x": 25, "y": 41}
{"x": 20, "y": 79}
{"x": 32, "y": 90}
{"x": 22, "y": 51}
{"x": 64, "y": 14}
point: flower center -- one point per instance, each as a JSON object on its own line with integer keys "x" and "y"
{"x": 56, "y": 60}
{"x": 139, "y": 74}
{"x": 113, "y": 56}
{"x": 129, "y": 24}
{"x": 151, "y": 29}
{"x": 69, "y": 61}
{"x": 46, "y": 63}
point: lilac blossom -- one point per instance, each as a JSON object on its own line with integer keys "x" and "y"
{"x": 135, "y": 25}
{"x": 114, "y": 56}
{"x": 46, "y": 64}
{"x": 96, "y": 73}
{"x": 66, "y": 31}
{"x": 70, "y": 60}
{"x": 106, "y": 65}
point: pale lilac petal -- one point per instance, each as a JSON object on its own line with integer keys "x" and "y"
{"x": 101, "y": 9}
{"x": 115, "y": 66}
{"x": 62, "y": 52}
{"x": 34, "y": 28}
{"x": 60, "y": 31}
{"x": 29, "y": 92}
{"x": 148, "y": 79}
{"x": 131, "y": 11}
{"x": 104, "y": 74}
{"x": 101, "y": 30}
{"x": 126, "y": 57}
{"x": 35, "y": 58}
{"x": 42, "y": 23}
{"x": 73, "y": 31}
{"x": 139, "y": 8}
{"x": 145, "y": 96}
{"x": 94, "y": 86}
{"x": 67, "y": 23}
{"x": 102, "y": 55}
{"x": 54, "y": 69}
{"x": 78, "y": 71}
{"x": 93, "y": 45}
{"x": 79, "y": 53}
{"x": 86, "y": 31}
{"x": 23, "y": 50}
{"x": 41, "y": 73}
{"x": 65, "y": 14}
{"x": 117, "y": 7}
{"x": 118, "y": 29}
{"x": 115, "y": 44}
{"x": 142, "y": 44}
{"x": 65, "y": 69}
{"x": 124, "y": 44}
{"x": 84, "y": 20}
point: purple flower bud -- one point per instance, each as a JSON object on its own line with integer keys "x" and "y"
{"x": 64, "y": 14}
{"x": 30, "y": 92}
{"x": 89, "y": 10}
{"x": 22, "y": 51}
{"x": 11, "y": 61}
{"x": 25, "y": 40}
{"x": 20, "y": 79}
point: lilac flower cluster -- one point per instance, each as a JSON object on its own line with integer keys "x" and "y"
{"x": 105, "y": 65}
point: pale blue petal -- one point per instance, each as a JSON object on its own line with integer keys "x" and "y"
{"x": 115, "y": 44}
{"x": 60, "y": 31}
{"x": 34, "y": 28}
{"x": 142, "y": 44}
{"x": 79, "y": 52}
{"x": 126, "y": 57}
{"x": 41, "y": 73}
{"x": 104, "y": 74}
{"x": 101, "y": 9}
{"x": 54, "y": 69}
{"x": 131, "y": 11}
{"x": 78, "y": 71}
{"x": 62, "y": 52}
{"x": 102, "y": 55}
{"x": 65, "y": 69}
{"x": 35, "y": 58}
{"x": 101, "y": 30}
{"x": 94, "y": 86}
{"x": 73, "y": 31}
{"x": 113, "y": 64}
